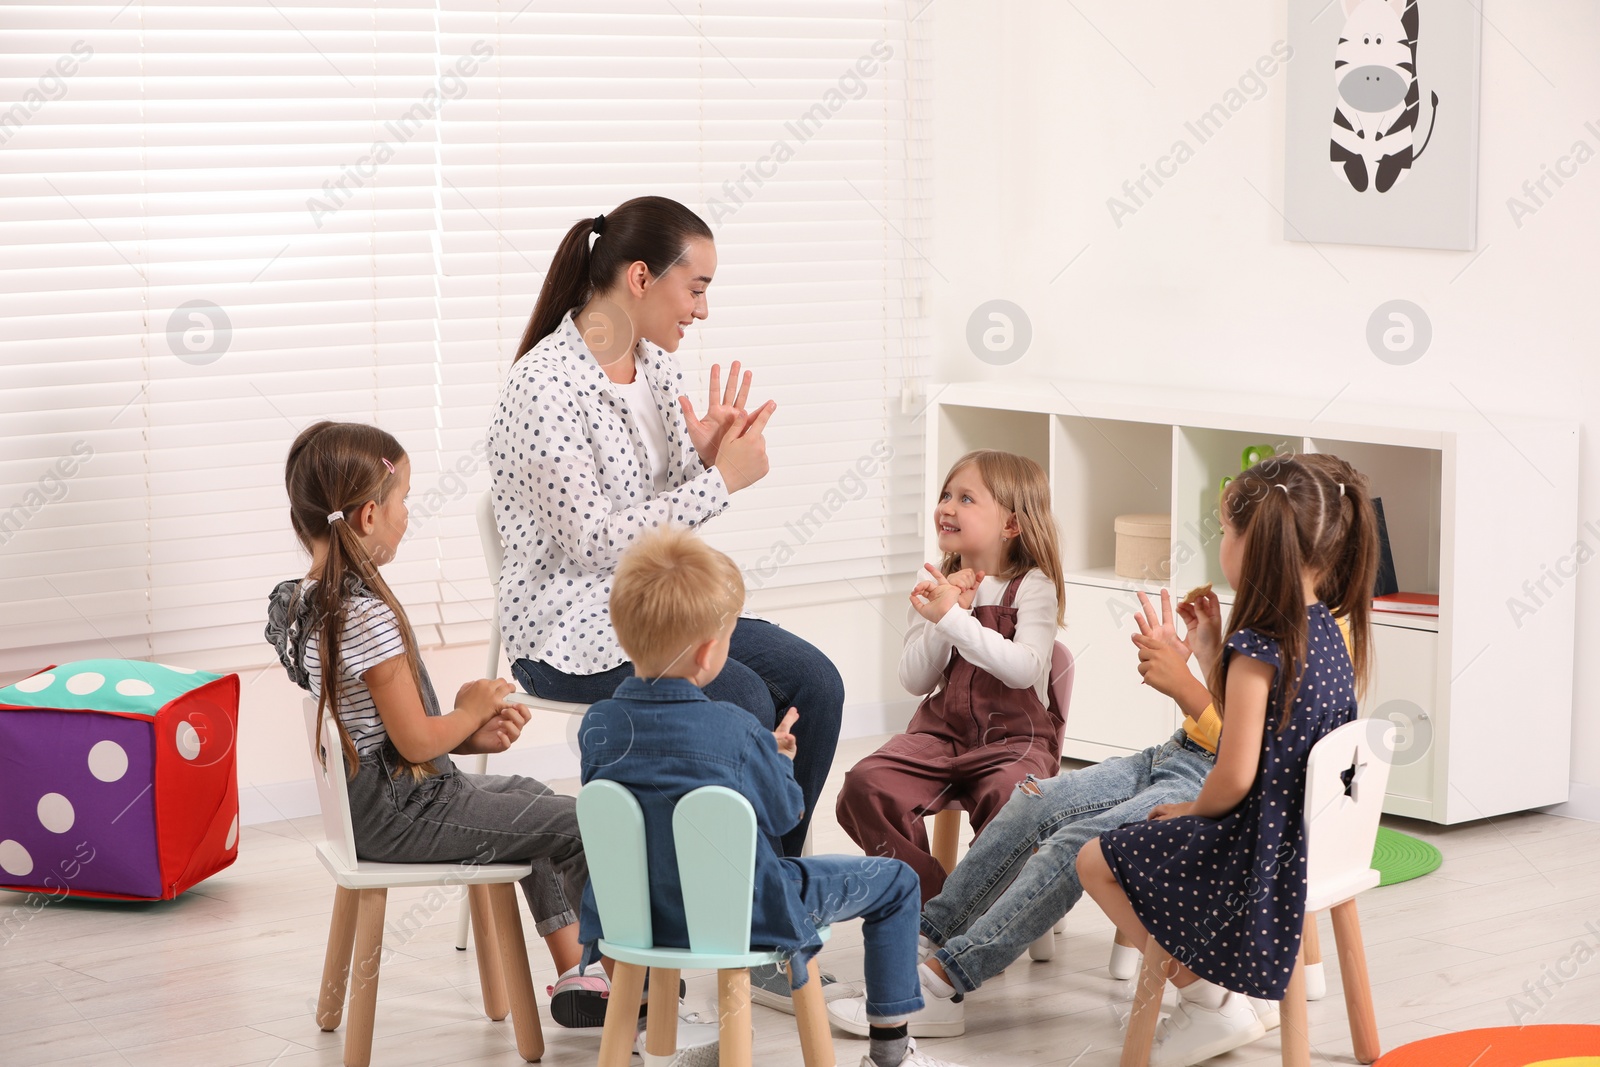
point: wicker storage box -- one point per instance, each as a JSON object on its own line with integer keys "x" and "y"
{"x": 1144, "y": 546}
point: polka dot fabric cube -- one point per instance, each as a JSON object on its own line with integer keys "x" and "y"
{"x": 117, "y": 779}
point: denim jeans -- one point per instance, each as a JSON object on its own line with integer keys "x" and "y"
{"x": 883, "y": 893}
{"x": 1003, "y": 896}
{"x": 768, "y": 671}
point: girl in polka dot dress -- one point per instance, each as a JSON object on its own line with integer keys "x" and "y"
{"x": 343, "y": 637}
{"x": 1220, "y": 883}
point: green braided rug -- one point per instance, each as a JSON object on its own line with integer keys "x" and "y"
{"x": 1400, "y": 857}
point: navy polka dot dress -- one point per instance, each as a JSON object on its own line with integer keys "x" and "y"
{"x": 1227, "y": 897}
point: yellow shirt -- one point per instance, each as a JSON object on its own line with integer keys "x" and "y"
{"x": 1206, "y": 730}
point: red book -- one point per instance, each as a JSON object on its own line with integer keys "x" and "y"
{"x": 1408, "y": 603}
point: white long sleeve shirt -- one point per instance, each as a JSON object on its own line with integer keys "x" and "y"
{"x": 1018, "y": 663}
{"x": 574, "y": 487}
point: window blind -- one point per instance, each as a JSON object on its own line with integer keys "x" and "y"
{"x": 224, "y": 223}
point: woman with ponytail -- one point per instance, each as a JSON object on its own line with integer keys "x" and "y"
{"x": 596, "y": 443}
{"x": 343, "y": 637}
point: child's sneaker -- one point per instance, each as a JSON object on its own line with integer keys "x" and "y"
{"x": 939, "y": 1017}
{"x": 1194, "y": 1033}
{"x": 913, "y": 1059}
{"x": 578, "y": 999}
{"x": 925, "y": 948}
{"x": 769, "y": 985}
{"x": 1267, "y": 1011}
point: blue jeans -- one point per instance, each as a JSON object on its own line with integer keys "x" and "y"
{"x": 769, "y": 670}
{"x": 1002, "y": 896}
{"x": 884, "y": 893}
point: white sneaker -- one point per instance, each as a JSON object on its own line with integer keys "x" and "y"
{"x": 913, "y": 1059}
{"x": 1267, "y": 1012}
{"x": 1193, "y": 1034}
{"x": 925, "y": 948}
{"x": 939, "y": 1017}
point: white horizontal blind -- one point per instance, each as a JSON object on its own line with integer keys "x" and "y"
{"x": 220, "y": 155}
{"x": 370, "y": 194}
{"x": 583, "y": 105}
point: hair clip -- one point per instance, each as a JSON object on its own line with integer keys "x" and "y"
{"x": 1285, "y": 488}
{"x": 389, "y": 466}
{"x": 334, "y": 516}
{"x": 1341, "y": 489}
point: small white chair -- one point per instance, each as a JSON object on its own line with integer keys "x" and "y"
{"x": 494, "y": 553}
{"x": 358, "y": 908}
{"x": 1341, "y": 830}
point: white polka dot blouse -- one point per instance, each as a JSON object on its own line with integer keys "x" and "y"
{"x": 572, "y": 490}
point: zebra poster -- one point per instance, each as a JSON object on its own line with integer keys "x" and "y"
{"x": 1382, "y": 141}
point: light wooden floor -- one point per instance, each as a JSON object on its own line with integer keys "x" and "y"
{"x": 227, "y": 974}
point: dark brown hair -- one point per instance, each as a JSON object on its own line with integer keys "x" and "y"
{"x": 340, "y": 467}
{"x": 648, "y": 229}
{"x": 1307, "y": 513}
{"x": 1019, "y": 485}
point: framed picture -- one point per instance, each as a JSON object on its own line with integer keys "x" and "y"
{"x": 1382, "y": 144}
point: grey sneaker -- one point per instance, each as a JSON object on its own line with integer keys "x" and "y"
{"x": 769, "y": 985}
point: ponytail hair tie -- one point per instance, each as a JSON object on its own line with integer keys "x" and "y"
{"x": 599, "y": 226}
{"x": 335, "y": 516}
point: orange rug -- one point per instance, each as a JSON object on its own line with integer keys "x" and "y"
{"x": 1508, "y": 1046}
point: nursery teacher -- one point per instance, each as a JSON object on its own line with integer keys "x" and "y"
{"x": 595, "y": 443}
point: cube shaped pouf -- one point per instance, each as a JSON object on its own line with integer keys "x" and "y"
{"x": 117, "y": 779}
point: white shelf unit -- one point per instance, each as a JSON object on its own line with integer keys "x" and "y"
{"x": 1476, "y": 506}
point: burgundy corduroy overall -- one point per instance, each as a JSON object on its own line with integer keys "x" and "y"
{"x": 971, "y": 741}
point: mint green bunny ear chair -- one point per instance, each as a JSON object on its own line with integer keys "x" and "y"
{"x": 714, "y": 833}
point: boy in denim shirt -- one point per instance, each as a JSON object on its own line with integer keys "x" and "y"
{"x": 674, "y": 602}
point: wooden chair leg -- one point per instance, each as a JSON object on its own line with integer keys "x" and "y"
{"x": 491, "y": 975}
{"x": 733, "y": 1011}
{"x": 364, "y": 989}
{"x": 1311, "y": 941}
{"x": 514, "y": 966}
{"x": 1292, "y": 1020}
{"x": 811, "y": 1014}
{"x": 946, "y": 837}
{"x": 1158, "y": 964}
{"x": 1357, "y": 988}
{"x": 661, "y": 1028}
{"x": 336, "y": 964}
{"x": 622, "y": 1015}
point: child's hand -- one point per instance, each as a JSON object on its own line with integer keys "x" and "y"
{"x": 966, "y": 580}
{"x": 1202, "y": 621}
{"x": 935, "y": 604}
{"x": 500, "y": 732}
{"x": 1159, "y": 628}
{"x": 1163, "y": 664}
{"x": 787, "y": 745}
{"x": 1163, "y": 812}
{"x": 480, "y": 700}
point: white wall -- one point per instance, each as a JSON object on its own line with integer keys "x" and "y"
{"x": 1042, "y": 110}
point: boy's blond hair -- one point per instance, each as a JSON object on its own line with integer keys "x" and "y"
{"x": 672, "y": 591}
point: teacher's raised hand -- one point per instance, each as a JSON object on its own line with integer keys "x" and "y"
{"x": 724, "y": 408}
{"x": 742, "y": 452}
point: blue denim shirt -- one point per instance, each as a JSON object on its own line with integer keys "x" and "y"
{"x": 663, "y": 738}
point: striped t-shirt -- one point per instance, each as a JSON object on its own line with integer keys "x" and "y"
{"x": 371, "y": 636}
